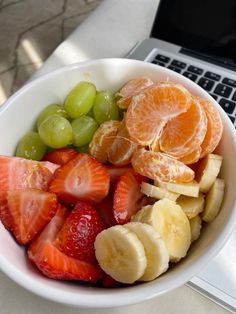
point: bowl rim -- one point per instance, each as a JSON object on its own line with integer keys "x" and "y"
{"x": 119, "y": 296}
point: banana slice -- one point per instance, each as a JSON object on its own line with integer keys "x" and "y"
{"x": 157, "y": 192}
{"x": 214, "y": 200}
{"x": 120, "y": 254}
{"x": 146, "y": 215}
{"x": 191, "y": 206}
{"x": 155, "y": 249}
{"x": 208, "y": 171}
{"x": 170, "y": 221}
{"x": 195, "y": 226}
{"x": 189, "y": 189}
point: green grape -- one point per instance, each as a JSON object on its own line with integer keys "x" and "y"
{"x": 31, "y": 146}
{"x": 80, "y": 99}
{"x": 104, "y": 108}
{"x": 83, "y": 130}
{"x": 49, "y": 110}
{"x": 56, "y": 131}
{"x": 83, "y": 149}
{"x": 90, "y": 113}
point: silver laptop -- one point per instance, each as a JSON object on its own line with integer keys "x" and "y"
{"x": 197, "y": 38}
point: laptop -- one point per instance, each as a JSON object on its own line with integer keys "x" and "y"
{"x": 197, "y": 39}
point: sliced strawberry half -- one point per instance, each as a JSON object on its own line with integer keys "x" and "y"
{"x": 82, "y": 178}
{"x": 26, "y": 212}
{"x": 19, "y": 173}
{"x": 77, "y": 236}
{"x": 115, "y": 172}
{"x": 60, "y": 156}
{"x": 55, "y": 264}
{"x": 105, "y": 210}
{"x": 127, "y": 197}
{"x": 109, "y": 282}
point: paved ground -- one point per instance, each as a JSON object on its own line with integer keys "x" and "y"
{"x": 29, "y": 31}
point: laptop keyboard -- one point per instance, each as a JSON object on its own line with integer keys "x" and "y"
{"x": 222, "y": 89}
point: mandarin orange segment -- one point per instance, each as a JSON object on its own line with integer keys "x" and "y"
{"x": 130, "y": 89}
{"x": 102, "y": 140}
{"x": 150, "y": 110}
{"x": 155, "y": 146}
{"x": 191, "y": 157}
{"x": 214, "y": 128}
{"x": 122, "y": 148}
{"x": 184, "y": 133}
{"x": 159, "y": 166}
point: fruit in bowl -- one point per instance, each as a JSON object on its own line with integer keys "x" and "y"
{"x": 119, "y": 202}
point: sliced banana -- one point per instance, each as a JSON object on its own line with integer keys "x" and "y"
{"x": 120, "y": 254}
{"x": 155, "y": 249}
{"x": 214, "y": 200}
{"x": 146, "y": 215}
{"x": 195, "y": 226}
{"x": 189, "y": 188}
{"x": 208, "y": 171}
{"x": 157, "y": 192}
{"x": 191, "y": 206}
{"x": 170, "y": 221}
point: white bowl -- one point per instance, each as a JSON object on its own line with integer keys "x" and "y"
{"x": 18, "y": 116}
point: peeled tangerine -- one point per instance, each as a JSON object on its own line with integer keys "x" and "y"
{"x": 152, "y": 108}
{"x": 122, "y": 148}
{"x": 214, "y": 128}
{"x": 185, "y": 132}
{"x": 102, "y": 140}
{"x": 159, "y": 166}
{"x": 130, "y": 89}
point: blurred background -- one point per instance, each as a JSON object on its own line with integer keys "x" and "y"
{"x": 29, "y": 32}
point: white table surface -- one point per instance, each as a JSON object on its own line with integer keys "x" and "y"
{"x": 110, "y": 31}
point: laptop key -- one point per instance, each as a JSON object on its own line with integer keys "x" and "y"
{"x": 223, "y": 90}
{"x": 229, "y": 82}
{"x": 178, "y": 64}
{"x": 171, "y": 67}
{"x": 227, "y": 105}
{"x": 190, "y": 75}
{"x": 234, "y": 96}
{"x": 195, "y": 70}
{"x": 206, "y": 83}
{"x": 212, "y": 76}
{"x": 214, "y": 96}
{"x": 162, "y": 58}
{"x": 158, "y": 63}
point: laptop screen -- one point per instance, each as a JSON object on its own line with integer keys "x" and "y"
{"x": 205, "y": 26}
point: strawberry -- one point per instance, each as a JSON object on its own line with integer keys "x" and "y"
{"x": 55, "y": 264}
{"x": 109, "y": 282}
{"x": 127, "y": 196}
{"x": 60, "y": 156}
{"x": 76, "y": 237}
{"x": 105, "y": 209}
{"x": 49, "y": 165}
{"x": 82, "y": 178}
{"x": 26, "y": 212}
{"x": 19, "y": 173}
{"x": 115, "y": 172}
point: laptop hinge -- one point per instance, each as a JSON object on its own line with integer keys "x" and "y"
{"x": 207, "y": 58}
